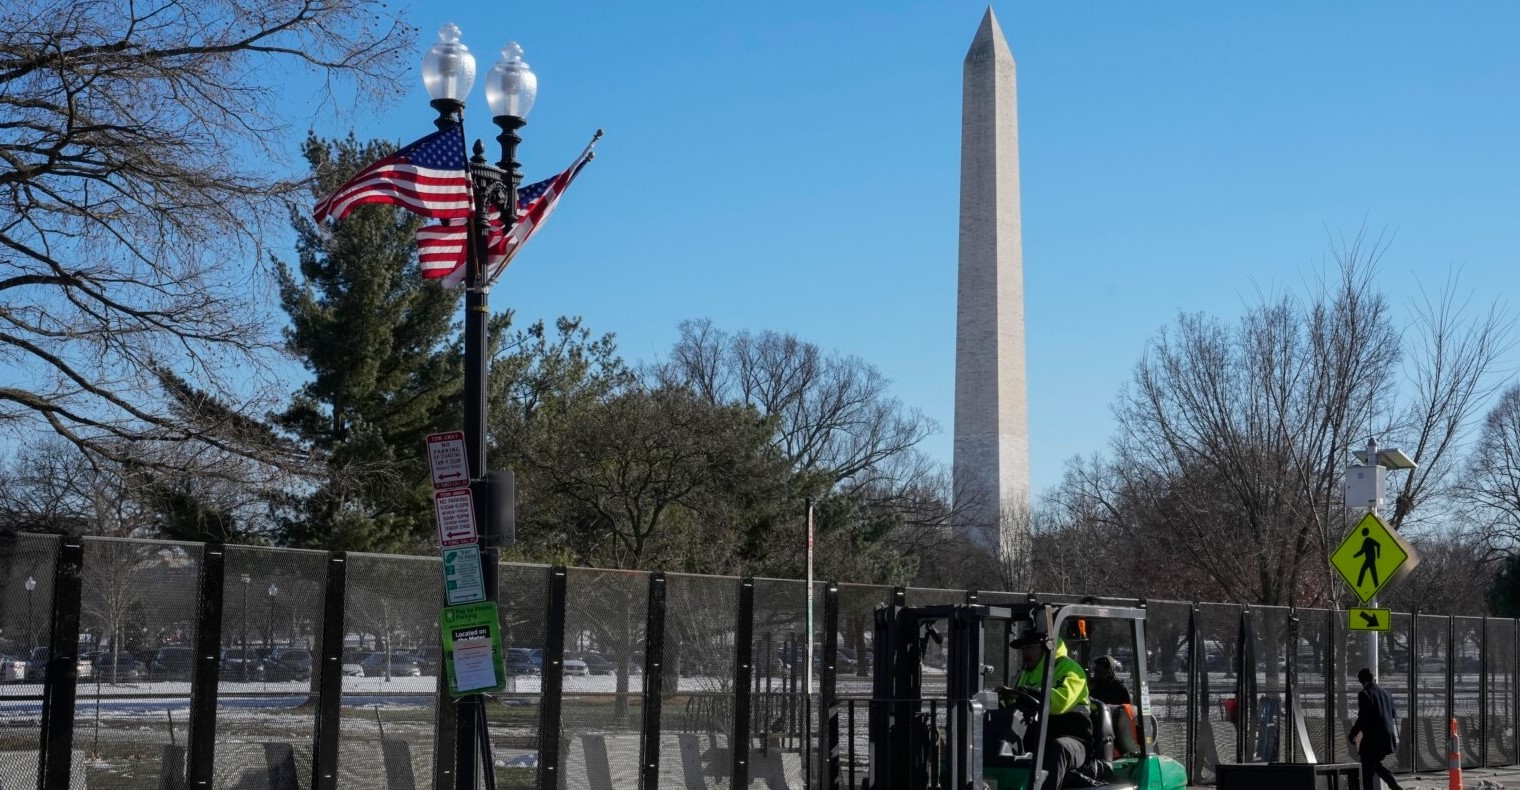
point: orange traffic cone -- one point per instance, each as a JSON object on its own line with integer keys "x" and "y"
{"x": 1454, "y": 759}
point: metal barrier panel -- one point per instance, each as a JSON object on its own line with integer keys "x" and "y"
{"x": 27, "y": 565}
{"x": 391, "y": 616}
{"x": 140, "y": 599}
{"x": 698, "y": 694}
{"x": 1428, "y": 720}
{"x": 778, "y": 711}
{"x": 1467, "y": 671}
{"x": 1501, "y": 692}
{"x": 1267, "y": 730}
{"x": 1394, "y": 655}
{"x": 1219, "y": 634}
{"x": 857, "y": 611}
{"x": 605, "y": 616}
{"x": 1166, "y": 646}
{"x": 271, "y": 598}
{"x": 513, "y": 715}
{"x": 138, "y": 619}
{"x": 1311, "y": 660}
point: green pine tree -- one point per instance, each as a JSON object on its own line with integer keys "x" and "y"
{"x": 385, "y": 363}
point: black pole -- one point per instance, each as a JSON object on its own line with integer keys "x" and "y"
{"x": 200, "y": 745}
{"x": 654, "y": 681}
{"x": 324, "y": 756}
{"x": 744, "y": 655}
{"x": 553, "y": 685}
{"x": 59, "y": 681}
{"x": 1332, "y": 670}
{"x": 1287, "y": 727}
{"x": 1482, "y": 692}
{"x": 1412, "y": 671}
{"x": 1196, "y": 658}
{"x": 828, "y": 735}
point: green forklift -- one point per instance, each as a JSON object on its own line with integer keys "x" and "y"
{"x": 961, "y": 741}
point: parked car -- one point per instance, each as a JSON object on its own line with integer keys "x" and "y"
{"x": 117, "y": 667}
{"x": 172, "y": 663}
{"x": 352, "y": 669}
{"x": 288, "y": 664}
{"x": 12, "y": 669}
{"x": 398, "y": 665}
{"x": 429, "y": 658}
{"x": 36, "y": 665}
{"x": 596, "y": 663}
{"x": 520, "y": 662}
{"x": 240, "y": 663}
{"x": 575, "y": 666}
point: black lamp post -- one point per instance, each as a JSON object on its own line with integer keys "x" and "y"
{"x": 269, "y": 635}
{"x": 448, "y": 72}
{"x": 246, "y": 580}
{"x": 30, "y": 584}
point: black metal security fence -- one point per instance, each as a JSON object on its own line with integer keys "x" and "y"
{"x": 156, "y": 665}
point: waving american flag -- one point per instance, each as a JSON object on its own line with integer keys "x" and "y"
{"x": 441, "y": 248}
{"x": 427, "y": 177}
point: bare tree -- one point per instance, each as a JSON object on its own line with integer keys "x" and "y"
{"x": 136, "y": 191}
{"x": 1234, "y": 440}
{"x": 1490, "y": 488}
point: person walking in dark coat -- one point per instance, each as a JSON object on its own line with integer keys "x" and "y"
{"x": 1377, "y": 723}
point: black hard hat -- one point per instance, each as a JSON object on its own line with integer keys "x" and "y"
{"x": 1026, "y": 638}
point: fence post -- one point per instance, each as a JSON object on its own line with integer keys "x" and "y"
{"x": 1483, "y": 692}
{"x": 553, "y": 684}
{"x": 828, "y": 735}
{"x": 1451, "y": 665}
{"x": 899, "y": 596}
{"x": 744, "y": 657}
{"x": 56, "y": 758}
{"x": 1245, "y": 684}
{"x": 654, "y": 679}
{"x": 1413, "y": 671}
{"x": 324, "y": 739}
{"x": 200, "y": 744}
{"x": 1197, "y": 656}
{"x": 1332, "y": 672}
{"x": 1287, "y": 727}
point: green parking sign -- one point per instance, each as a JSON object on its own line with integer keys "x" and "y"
{"x": 472, "y": 652}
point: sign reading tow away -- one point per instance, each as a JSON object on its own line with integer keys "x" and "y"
{"x": 446, "y": 459}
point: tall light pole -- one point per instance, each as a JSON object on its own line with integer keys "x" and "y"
{"x": 448, "y": 72}
{"x": 269, "y": 635}
{"x": 30, "y": 584}
{"x": 246, "y": 579}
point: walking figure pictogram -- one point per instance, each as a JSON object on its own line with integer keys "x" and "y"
{"x": 1369, "y": 552}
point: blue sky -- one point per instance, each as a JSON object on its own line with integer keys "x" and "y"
{"x": 794, "y": 166}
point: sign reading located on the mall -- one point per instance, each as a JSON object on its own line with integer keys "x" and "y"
{"x": 472, "y": 653}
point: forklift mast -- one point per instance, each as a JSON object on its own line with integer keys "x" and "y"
{"x": 907, "y": 745}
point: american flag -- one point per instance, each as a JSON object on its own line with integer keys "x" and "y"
{"x": 441, "y": 248}
{"x": 427, "y": 177}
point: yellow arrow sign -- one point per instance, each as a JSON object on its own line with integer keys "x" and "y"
{"x": 1372, "y": 557}
{"x": 1370, "y": 619}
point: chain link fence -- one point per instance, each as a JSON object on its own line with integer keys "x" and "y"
{"x": 702, "y": 685}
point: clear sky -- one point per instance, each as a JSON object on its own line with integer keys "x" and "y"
{"x": 794, "y": 166}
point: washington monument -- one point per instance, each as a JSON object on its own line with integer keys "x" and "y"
{"x": 991, "y": 464}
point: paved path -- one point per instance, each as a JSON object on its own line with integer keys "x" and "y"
{"x": 1472, "y": 779}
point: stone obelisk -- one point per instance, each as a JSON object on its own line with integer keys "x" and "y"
{"x": 991, "y": 465}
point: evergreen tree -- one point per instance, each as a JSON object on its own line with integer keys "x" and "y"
{"x": 385, "y": 367}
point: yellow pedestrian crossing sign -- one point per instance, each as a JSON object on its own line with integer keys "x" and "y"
{"x": 1372, "y": 557}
